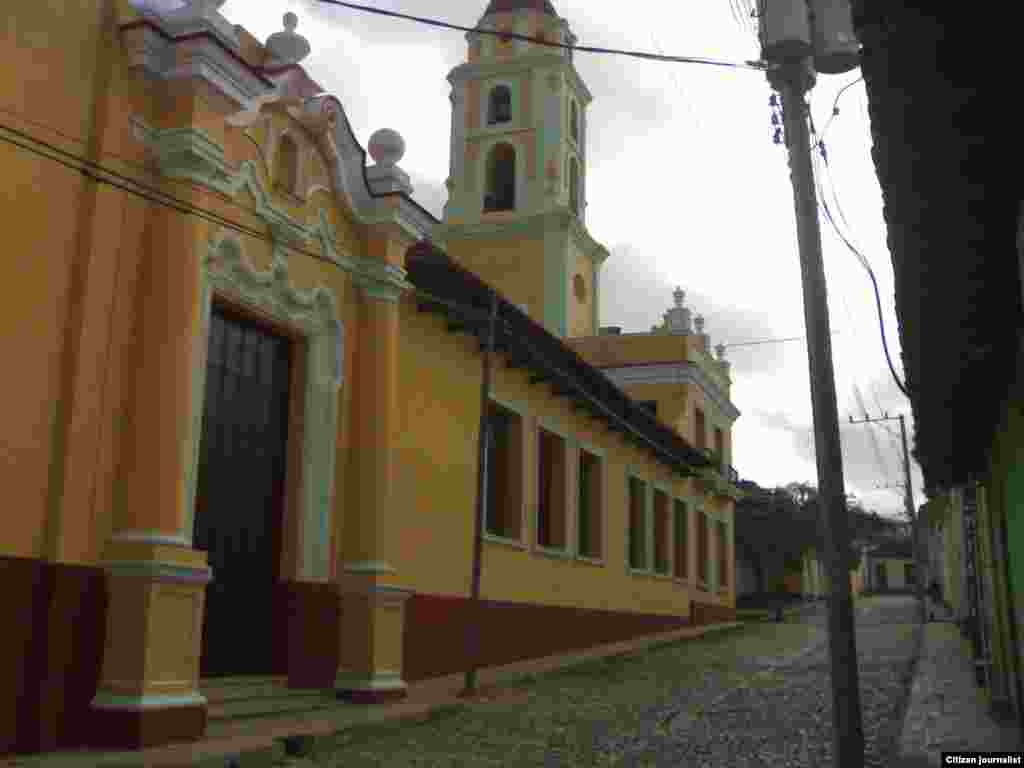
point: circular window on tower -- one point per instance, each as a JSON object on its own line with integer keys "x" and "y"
{"x": 579, "y": 288}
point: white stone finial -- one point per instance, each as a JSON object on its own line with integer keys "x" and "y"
{"x": 678, "y": 295}
{"x": 698, "y": 321}
{"x": 720, "y": 351}
{"x": 288, "y": 47}
{"x": 387, "y": 147}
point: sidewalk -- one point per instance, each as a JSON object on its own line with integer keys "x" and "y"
{"x": 946, "y": 710}
{"x": 262, "y": 742}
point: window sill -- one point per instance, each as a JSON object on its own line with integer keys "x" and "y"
{"x": 505, "y": 542}
{"x": 558, "y": 554}
{"x": 590, "y": 560}
{"x": 651, "y": 574}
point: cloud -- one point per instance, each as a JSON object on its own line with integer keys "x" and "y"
{"x": 872, "y": 453}
{"x": 431, "y": 194}
{"x": 634, "y": 294}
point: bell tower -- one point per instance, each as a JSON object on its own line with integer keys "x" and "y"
{"x": 517, "y": 182}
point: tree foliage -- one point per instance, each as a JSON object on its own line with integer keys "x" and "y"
{"x": 775, "y": 527}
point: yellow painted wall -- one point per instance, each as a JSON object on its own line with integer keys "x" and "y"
{"x": 33, "y": 314}
{"x": 632, "y": 349}
{"x": 438, "y": 453}
{"x": 78, "y": 262}
{"x": 513, "y": 265}
{"x": 671, "y": 400}
{"x": 65, "y": 248}
{"x": 580, "y": 320}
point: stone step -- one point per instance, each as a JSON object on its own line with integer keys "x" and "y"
{"x": 254, "y": 688}
{"x": 270, "y": 706}
{"x": 230, "y": 698}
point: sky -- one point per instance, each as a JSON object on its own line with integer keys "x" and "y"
{"x": 685, "y": 187}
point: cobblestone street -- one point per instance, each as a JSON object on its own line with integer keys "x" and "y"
{"x": 757, "y": 696}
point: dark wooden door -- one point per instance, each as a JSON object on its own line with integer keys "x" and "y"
{"x": 240, "y": 491}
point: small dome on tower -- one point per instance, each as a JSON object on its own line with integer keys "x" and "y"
{"x": 505, "y": 6}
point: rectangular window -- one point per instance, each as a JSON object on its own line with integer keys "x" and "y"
{"x": 908, "y": 574}
{"x": 589, "y": 507}
{"x": 551, "y": 490}
{"x": 637, "y": 524}
{"x": 504, "y": 473}
{"x": 700, "y": 431}
{"x": 720, "y": 444}
{"x": 702, "y": 548}
{"x": 681, "y": 537}
{"x": 661, "y": 540}
{"x": 723, "y": 560}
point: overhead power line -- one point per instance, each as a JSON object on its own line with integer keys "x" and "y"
{"x": 835, "y": 105}
{"x": 769, "y": 341}
{"x": 756, "y": 66}
{"x": 104, "y": 175}
{"x": 823, "y": 204}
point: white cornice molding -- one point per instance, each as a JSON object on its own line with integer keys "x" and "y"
{"x": 530, "y": 223}
{"x": 558, "y": 219}
{"x": 673, "y": 373}
{"x": 518, "y": 65}
{"x": 597, "y": 252}
{"x": 195, "y": 47}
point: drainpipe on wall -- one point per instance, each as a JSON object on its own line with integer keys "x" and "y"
{"x": 483, "y": 437}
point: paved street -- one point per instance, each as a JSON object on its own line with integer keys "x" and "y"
{"x": 757, "y": 696}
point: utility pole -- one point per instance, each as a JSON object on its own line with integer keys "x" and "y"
{"x": 792, "y": 78}
{"x": 908, "y": 502}
{"x": 483, "y": 438}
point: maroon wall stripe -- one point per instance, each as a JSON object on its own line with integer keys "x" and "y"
{"x": 436, "y": 631}
{"x": 52, "y": 647}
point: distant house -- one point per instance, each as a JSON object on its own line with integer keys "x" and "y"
{"x": 890, "y": 567}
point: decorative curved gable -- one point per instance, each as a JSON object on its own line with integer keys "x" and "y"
{"x": 190, "y": 153}
{"x": 325, "y": 117}
{"x": 155, "y": 42}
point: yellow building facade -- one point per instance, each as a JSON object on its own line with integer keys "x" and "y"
{"x": 243, "y": 434}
